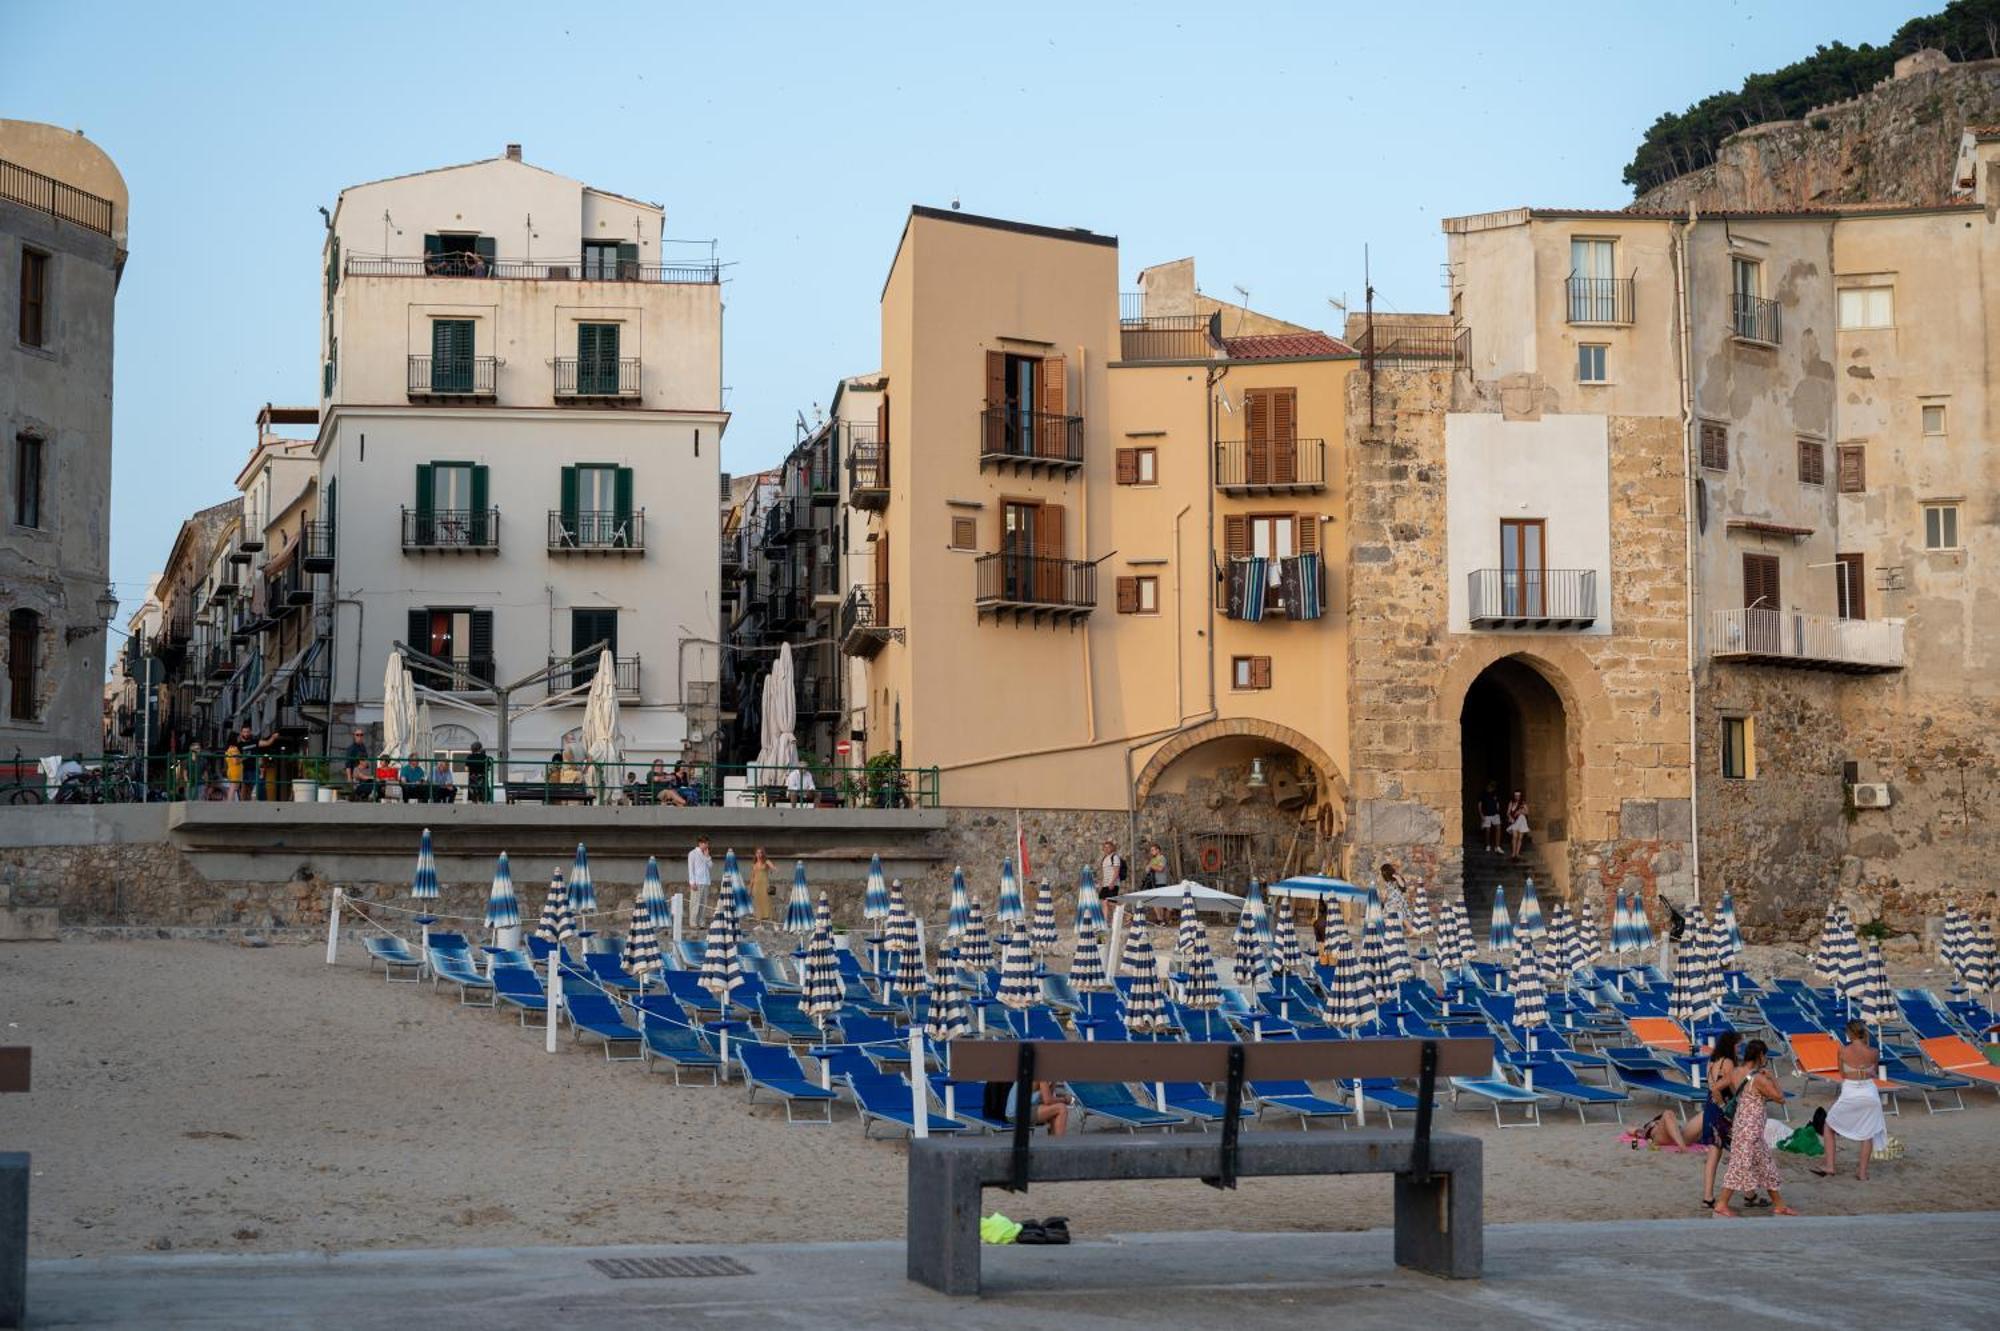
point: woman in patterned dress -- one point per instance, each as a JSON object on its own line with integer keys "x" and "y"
{"x": 1752, "y": 1164}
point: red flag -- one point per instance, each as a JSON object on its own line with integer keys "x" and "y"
{"x": 1021, "y": 849}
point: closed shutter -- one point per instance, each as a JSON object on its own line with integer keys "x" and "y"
{"x": 1049, "y": 569}
{"x": 451, "y": 355}
{"x": 995, "y": 420}
{"x": 882, "y": 422}
{"x": 1715, "y": 446}
{"x": 1284, "y": 435}
{"x": 1812, "y": 462}
{"x": 1236, "y": 537}
{"x": 1760, "y": 582}
{"x": 483, "y": 247}
{"x": 1257, "y": 436}
{"x": 628, "y": 261}
{"x": 433, "y": 246}
{"x": 477, "y": 527}
{"x": 621, "y": 503}
{"x": 1128, "y": 596}
{"x": 482, "y": 663}
{"x": 1852, "y": 589}
{"x": 567, "y": 505}
{"x": 1260, "y": 672}
{"x": 1853, "y": 469}
{"x": 417, "y": 634}
{"x": 1305, "y": 533}
{"x": 1054, "y": 406}
{"x": 881, "y": 579}
{"x": 425, "y": 515}
{"x": 1128, "y": 466}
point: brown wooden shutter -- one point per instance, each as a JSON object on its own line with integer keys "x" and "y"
{"x": 882, "y": 420}
{"x": 881, "y": 579}
{"x": 1715, "y": 445}
{"x": 1050, "y": 531}
{"x": 1236, "y": 536}
{"x": 996, "y": 378}
{"x": 1812, "y": 462}
{"x": 1305, "y": 533}
{"x": 1260, "y": 672}
{"x": 1128, "y": 596}
{"x": 1853, "y": 469}
{"x": 1049, "y": 569}
{"x": 1128, "y": 466}
{"x": 1852, "y": 587}
{"x": 1760, "y": 582}
{"x": 1284, "y": 435}
{"x": 1257, "y": 436}
{"x": 1054, "y": 406}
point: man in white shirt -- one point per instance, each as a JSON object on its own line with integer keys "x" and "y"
{"x": 700, "y": 867}
{"x": 1110, "y": 872}
{"x": 800, "y": 786}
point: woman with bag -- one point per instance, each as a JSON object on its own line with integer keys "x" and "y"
{"x": 1725, "y": 1078}
{"x": 1752, "y": 1163}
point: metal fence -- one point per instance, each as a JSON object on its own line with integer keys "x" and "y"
{"x": 452, "y": 376}
{"x": 599, "y": 378}
{"x": 1755, "y": 319}
{"x": 1416, "y": 346}
{"x": 1274, "y": 464}
{"x": 66, "y": 203}
{"x": 451, "y": 529}
{"x": 580, "y": 674}
{"x": 597, "y": 529}
{"x": 533, "y": 270}
{"x": 1169, "y": 337}
{"x": 1788, "y": 635}
{"x": 1599, "y": 300}
{"x": 1541, "y": 595}
{"x": 1008, "y": 433}
{"x": 1010, "y": 579}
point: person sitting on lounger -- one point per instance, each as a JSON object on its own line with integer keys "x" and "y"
{"x": 1048, "y": 1107}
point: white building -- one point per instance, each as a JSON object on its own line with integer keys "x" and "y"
{"x": 519, "y": 452}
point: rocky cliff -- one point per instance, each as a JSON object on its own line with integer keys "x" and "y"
{"x": 1895, "y": 144}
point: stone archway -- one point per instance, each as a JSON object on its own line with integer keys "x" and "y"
{"x": 1248, "y": 728}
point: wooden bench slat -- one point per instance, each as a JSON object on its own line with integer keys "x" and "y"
{"x": 1206, "y": 1061}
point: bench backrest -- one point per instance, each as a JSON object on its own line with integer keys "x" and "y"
{"x": 1277, "y": 1060}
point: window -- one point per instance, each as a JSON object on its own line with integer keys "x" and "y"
{"x": 1025, "y": 408}
{"x": 1593, "y": 285}
{"x": 458, "y": 254}
{"x": 34, "y": 297}
{"x": 460, "y": 636}
{"x": 1739, "y": 762}
{"x": 609, "y": 260}
{"x": 451, "y": 505}
{"x": 1940, "y": 526}
{"x": 451, "y": 355}
{"x": 587, "y": 628}
{"x": 1853, "y": 462}
{"x": 1590, "y": 363}
{"x": 24, "y": 645}
{"x": 1849, "y": 589}
{"x": 1273, "y": 535}
{"x": 596, "y": 507}
{"x": 1753, "y": 318}
{"x": 1933, "y": 416}
{"x": 597, "y": 360}
{"x": 1715, "y": 445}
{"x": 1523, "y": 563}
{"x": 1867, "y": 307}
{"x": 1812, "y": 462}
{"x": 1271, "y": 429}
{"x": 1138, "y": 466}
{"x": 1760, "y": 582}
{"x": 964, "y": 534}
{"x": 28, "y": 467}
{"x": 1139, "y": 595}
{"x": 1250, "y": 672}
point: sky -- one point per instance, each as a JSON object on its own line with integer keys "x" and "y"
{"x": 1273, "y": 142}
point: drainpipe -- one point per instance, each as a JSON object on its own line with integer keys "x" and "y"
{"x": 1684, "y": 349}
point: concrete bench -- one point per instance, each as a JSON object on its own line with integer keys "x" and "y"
{"x": 14, "y": 1070}
{"x": 1438, "y": 1184}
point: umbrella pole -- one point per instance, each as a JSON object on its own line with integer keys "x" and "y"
{"x": 1360, "y": 1106}
{"x": 554, "y": 998}
{"x": 677, "y": 919}
{"x": 333, "y": 928}
{"x": 723, "y": 1048}
{"x": 920, "y": 1100}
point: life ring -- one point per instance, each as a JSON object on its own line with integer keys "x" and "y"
{"x": 1211, "y": 859}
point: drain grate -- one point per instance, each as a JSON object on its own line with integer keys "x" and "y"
{"x": 667, "y": 1268}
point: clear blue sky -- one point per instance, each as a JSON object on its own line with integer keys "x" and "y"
{"x": 1269, "y": 141}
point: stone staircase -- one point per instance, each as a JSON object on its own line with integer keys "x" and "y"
{"x": 1485, "y": 871}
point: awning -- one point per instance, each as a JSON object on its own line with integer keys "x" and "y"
{"x": 1310, "y": 888}
{"x": 1205, "y": 898}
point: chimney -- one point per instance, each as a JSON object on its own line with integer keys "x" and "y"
{"x": 513, "y": 152}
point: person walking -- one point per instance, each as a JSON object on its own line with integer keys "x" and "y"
{"x": 1724, "y": 1077}
{"x": 1752, "y": 1163}
{"x": 1517, "y": 821}
{"x": 1110, "y": 872}
{"x": 1857, "y": 1114}
{"x": 700, "y": 867}
{"x": 232, "y": 771}
{"x": 760, "y": 886}
{"x": 1489, "y": 817}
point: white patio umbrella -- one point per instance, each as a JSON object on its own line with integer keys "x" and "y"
{"x": 600, "y": 726}
{"x": 399, "y": 708}
{"x": 777, "y": 747}
{"x": 423, "y": 740}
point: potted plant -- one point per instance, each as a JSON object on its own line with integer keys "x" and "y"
{"x": 312, "y": 777}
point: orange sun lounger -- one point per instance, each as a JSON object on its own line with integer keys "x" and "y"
{"x": 1818, "y": 1056}
{"x": 1660, "y": 1033}
{"x": 1960, "y": 1059}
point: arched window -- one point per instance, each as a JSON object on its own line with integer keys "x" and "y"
{"x": 24, "y": 647}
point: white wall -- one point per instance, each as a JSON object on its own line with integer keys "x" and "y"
{"x": 1557, "y": 468}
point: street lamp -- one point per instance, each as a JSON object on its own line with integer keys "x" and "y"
{"x": 107, "y": 603}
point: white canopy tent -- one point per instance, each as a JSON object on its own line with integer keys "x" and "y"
{"x": 1314, "y": 888}
{"x": 1205, "y": 898}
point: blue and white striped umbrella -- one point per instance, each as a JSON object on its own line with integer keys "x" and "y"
{"x": 1422, "y": 921}
{"x": 1454, "y": 936}
{"x": 1252, "y": 959}
{"x": 1145, "y": 1005}
{"x": 739, "y": 892}
{"x": 947, "y": 1018}
{"x": 1500, "y": 936}
{"x": 1642, "y": 924}
{"x": 1396, "y": 947}
{"x": 654, "y": 893}
{"x": 1825, "y": 953}
{"x": 906, "y": 971}
{"x": 1685, "y": 999}
{"x": 1287, "y": 956}
{"x": 1376, "y": 971}
{"x": 1190, "y": 935}
{"x": 1531, "y": 1005}
{"x": 1042, "y": 933}
{"x": 1589, "y": 940}
{"x": 1352, "y": 996}
{"x": 875, "y": 901}
{"x": 1253, "y": 921}
{"x": 1018, "y": 985}
{"x": 424, "y": 886}
{"x": 900, "y": 932}
{"x": 1732, "y": 936}
{"x": 975, "y": 945}
{"x": 1877, "y": 999}
{"x": 1202, "y": 987}
{"x": 961, "y": 904}
{"x": 642, "y": 942}
{"x": 582, "y": 893}
{"x": 503, "y": 908}
{"x": 799, "y": 906}
{"x": 1952, "y": 938}
{"x": 721, "y": 965}
{"x": 819, "y": 974}
{"x": 1528, "y": 922}
{"x": 1089, "y": 909}
{"x": 1621, "y": 925}
{"x": 1982, "y": 966}
{"x": 1086, "y": 968}
{"x": 1553, "y": 954}
{"x": 558, "y": 922}
{"x": 1010, "y": 911}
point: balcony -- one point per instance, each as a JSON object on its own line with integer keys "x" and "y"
{"x": 481, "y": 668}
{"x": 824, "y": 580}
{"x": 1168, "y": 336}
{"x": 1599, "y": 300}
{"x": 820, "y": 477}
{"x": 1754, "y": 319}
{"x": 864, "y": 620}
{"x": 316, "y": 547}
{"x": 1034, "y": 586}
{"x": 597, "y": 532}
{"x": 867, "y": 469}
{"x": 217, "y": 662}
{"x": 785, "y": 607}
{"x": 1278, "y": 466}
{"x": 597, "y": 381}
{"x": 452, "y": 379}
{"x": 781, "y": 523}
{"x": 65, "y": 203}
{"x": 1031, "y": 440}
{"x": 730, "y": 550}
{"x": 1550, "y": 598}
{"x": 531, "y": 270}
{"x": 463, "y": 530}
{"x": 579, "y": 675}
{"x": 1416, "y": 346}
{"x": 1805, "y": 642}
{"x": 286, "y": 590}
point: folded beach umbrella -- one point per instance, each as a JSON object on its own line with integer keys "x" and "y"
{"x": 1840, "y": 959}
{"x": 1589, "y": 940}
{"x": 642, "y": 942}
{"x": 1089, "y": 909}
{"x": 721, "y": 966}
{"x": 1287, "y": 956}
{"x": 1684, "y": 998}
{"x": 1138, "y": 946}
{"x": 819, "y": 975}
{"x": 961, "y": 904}
{"x": 1553, "y": 954}
{"x": 1982, "y": 965}
{"x": 582, "y": 893}
{"x": 875, "y": 901}
{"x": 1715, "y": 959}
{"x": 1396, "y": 948}
{"x": 424, "y": 886}
{"x": 1352, "y": 996}
{"x": 899, "y": 933}
{"x": 1500, "y": 936}
{"x": 654, "y": 893}
{"x": 1375, "y": 968}
{"x": 1042, "y": 933}
{"x": 1621, "y": 924}
{"x": 1422, "y": 921}
{"x": 503, "y": 908}
{"x": 1642, "y": 924}
{"x": 1010, "y": 910}
{"x": 1145, "y": 1006}
{"x": 946, "y": 1017}
{"x": 558, "y": 922}
{"x": 1528, "y": 922}
{"x": 1824, "y": 957}
{"x": 799, "y": 906}
{"x": 1018, "y": 987}
{"x": 1877, "y": 999}
{"x": 1190, "y": 933}
{"x": 1457, "y": 954}
{"x": 906, "y": 970}
{"x": 1254, "y": 917}
{"x": 975, "y": 945}
{"x": 1087, "y": 973}
{"x": 739, "y": 894}
{"x": 1951, "y": 938}
{"x": 1531, "y": 1007}
{"x": 1251, "y": 960}
{"x": 1202, "y": 989}
{"x": 1732, "y": 936}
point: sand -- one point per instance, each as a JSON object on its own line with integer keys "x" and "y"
{"x": 212, "y": 1096}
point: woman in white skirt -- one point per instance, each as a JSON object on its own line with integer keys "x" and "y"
{"x": 1857, "y": 1114}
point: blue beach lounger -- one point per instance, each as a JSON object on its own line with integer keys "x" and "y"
{"x": 1296, "y": 1098}
{"x": 769, "y": 1068}
{"x": 887, "y": 1098}
{"x": 454, "y": 968}
{"x": 1555, "y": 1077}
{"x": 1114, "y": 1101}
{"x": 395, "y": 955}
{"x": 678, "y": 1046}
{"x": 1496, "y": 1090}
{"x": 594, "y": 1014}
{"x": 519, "y": 989}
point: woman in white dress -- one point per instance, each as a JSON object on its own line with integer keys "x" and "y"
{"x": 1857, "y": 1114}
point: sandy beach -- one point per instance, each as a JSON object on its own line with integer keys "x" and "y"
{"x": 213, "y": 1096}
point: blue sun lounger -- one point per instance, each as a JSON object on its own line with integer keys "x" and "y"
{"x": 1296, "y": 1098}
{"x": 591, "y": 1013}
{"x": 395, "y": 955}
{"x": 786, "y": 1015}
{"x": 608, "y": 969}
{"x": 678, "y": 1046}
{"x": 1115, "y": 1102}
{"x": 1034, "y": 1023}
{"x": 521, "y": 989}
{"x": 1555, "y": 1077}
{"x": 968, "y": 1102}
{"x": 888, "y": 1098}
{"x": 1903, "y": 1071}
{"x": 769, "y": 1068}
{"x": 454, "y": 968}
{"x": 1496, "y": 1090}
{"x": 1640, "y": 1070}
{"x": 1192, "y": 1101}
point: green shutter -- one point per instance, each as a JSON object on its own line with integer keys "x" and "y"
{"x": 425, "y": 503}
{"x": 621, "y": 491}
{"x": 483, "y": 247}
{"x": 628, "y": 260}
{"x": 480, "y": 534}
{"x": 433, "y": 246}
{"x": 569, "y": 505}
{"x": 451, "y": 355}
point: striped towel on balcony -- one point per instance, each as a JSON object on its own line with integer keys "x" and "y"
{"x": 1248, "y": 585}
{"x": 1306, "y": 594}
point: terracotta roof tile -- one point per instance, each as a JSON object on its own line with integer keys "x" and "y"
{"x": 1273, "y": 346}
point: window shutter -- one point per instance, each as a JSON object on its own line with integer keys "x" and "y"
{"x": 1812, "y": 462}
{"x": 1853, "y": 469}
{"x": 881, "y": 579}
{"x": 1760, "y": 582}
{"x": 483, "y": 247}
{"x": 480, "y": 503}
{"x": 1715, "y": 445}
{"x": 417, "y": 630}
{"x": 425, "y": 503}
{"x": 1128, "y": 596}
{"x": 1050, "y": 529}
{"x": 621, "y": 498}
{"x": 1128, "y": 466}
{"x": 1305, "y": 533}
{"x": 1236, "y": 537}
{"x": 1284, "y": 414}
{"x": 882, "y": 422}
{"x": 568, "y": 501}
{"x": 996, "y": 378}
{"x": 481, "y": 664}
{"x": 433, "y": 246}
{"x": 1054, "y": 406}
{"x": 1852, "y": 589}
{"x": 1260, "y": 672}
{"x": 628, "y": 261}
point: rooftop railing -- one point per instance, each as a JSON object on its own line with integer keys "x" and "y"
{"x": 475, "y": 266}
{"x": 65, "y": 203}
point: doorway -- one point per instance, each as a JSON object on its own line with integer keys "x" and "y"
{"x": 1513, "y": 735}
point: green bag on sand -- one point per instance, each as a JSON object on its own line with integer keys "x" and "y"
{"x": 1803, "y": 1141}
{"x": 997, "y": 1228}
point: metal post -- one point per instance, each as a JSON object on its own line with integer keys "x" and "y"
{"x": 920, "y": 1100}
{"x": 1232, "y": 1121}
{"x": 1024, "y": 1118}
{"x": 1420, "y": 1144}
{"x": 333, "y": 928}
{"x": 554, "y": 996}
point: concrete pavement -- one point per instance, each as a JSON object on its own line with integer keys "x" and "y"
{"x": 1934, "y": 1272}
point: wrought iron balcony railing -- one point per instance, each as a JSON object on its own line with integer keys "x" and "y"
{"x": 435, "y": 377}
{"x": 1763, "y": 636}
{"x": 1007, "y": 581}
{"x": 531, "y": 270}
{"x": 580, "y": 674}
{"x": 1599, "y": 300}
{"x": 597, "y": 378}
{"x": 599, "y": 531}
{"x": 474, "y": 530}
{"x": 1754, "y": 319}
{"x": 1008, "y": 435}
{"x": 1250, "y": 466}
{"x": 1551, "y": 598}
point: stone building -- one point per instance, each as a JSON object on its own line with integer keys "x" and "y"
{"x": 62, "y": 253}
